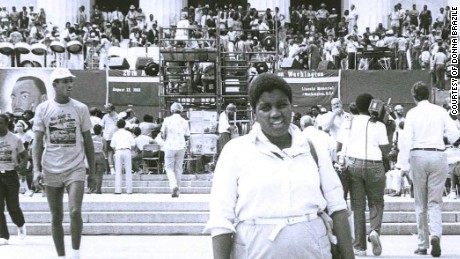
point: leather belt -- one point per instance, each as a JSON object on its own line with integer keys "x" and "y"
{"x": 428, "y": 149}
{"x": 358, "y": 160}
{"x": 7, "y": 171}
{"x": 281, "y": 222}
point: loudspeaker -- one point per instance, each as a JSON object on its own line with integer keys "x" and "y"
{"x": 291, "y": 63}
{"x": 325, "y": 65}
{"x": 269, "y": 42}
{"x": 152, "y": 69}
{"x": 118, "y": 63}
{"x": 261, "y": 67}
{"x": 142, "y": 62}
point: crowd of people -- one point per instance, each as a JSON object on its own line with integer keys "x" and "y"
{"x": 414, "y": 38}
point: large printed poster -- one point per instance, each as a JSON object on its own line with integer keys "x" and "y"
{"x": 25, "y": 88}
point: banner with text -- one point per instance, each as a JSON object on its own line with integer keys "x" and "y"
{"x": 312, "y": 87}
{"x": 128, "y": 87}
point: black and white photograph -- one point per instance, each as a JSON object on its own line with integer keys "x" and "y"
{"x": 244, "y": 129}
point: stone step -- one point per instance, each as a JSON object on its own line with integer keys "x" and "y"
{"x": 162, "y": 177}
{"x": 159, "y": 183}
{"x": 159, "y": 214}
{"x": 125, "y": 206}
{"x": 163, "y": 190}
{"x": 119, "y": 228}
{"x": 186, "y": 202}
{"x": 193, "y": 228}
{"x": 152, "y": 216}
{"x": 123, "y": 217}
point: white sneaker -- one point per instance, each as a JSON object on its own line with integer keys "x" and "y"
{"x": 22, "y": 232}
{"x": 452, "y": 195}
{"x": 359, "y": 252}
{"x": 3, "y": 241}
{"x": 29, "y": 193}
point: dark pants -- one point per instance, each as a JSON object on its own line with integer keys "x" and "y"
{"x": 439, "y": 74}
{"x": 402, "y": 60}
{"x": 351, "y": 60}
{"x": 9, "y": 193}
{"x": 344, "y": 177}
{"x": 367, "y": 180}
{"x": 101, "y": 167}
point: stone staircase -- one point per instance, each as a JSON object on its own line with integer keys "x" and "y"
{"x": 152, "y": 211}
{"x": 191, "y": 184}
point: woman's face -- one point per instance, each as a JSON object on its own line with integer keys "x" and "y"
{"x": 273, "y": 112}
{"x": 19, "y": 128}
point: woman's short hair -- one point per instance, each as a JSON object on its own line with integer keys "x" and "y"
{"x": 353, "y": 108}
{"x": 420, "y": 91}
{"x": 267, "y": 83}
{"x": 363, "y": 101}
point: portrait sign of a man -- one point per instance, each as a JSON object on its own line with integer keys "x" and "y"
{"x": 28, "y": 92}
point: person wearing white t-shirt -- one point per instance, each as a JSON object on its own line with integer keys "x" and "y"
{"x": 175, "y": 130}
{"x": 367, "y": 144}
{"x": 62, "y": 145}
{"x": 13, "y": 156}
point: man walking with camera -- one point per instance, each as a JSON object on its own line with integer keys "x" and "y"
{"x": 367, "y": 144}
{"x": 426, "y": 127}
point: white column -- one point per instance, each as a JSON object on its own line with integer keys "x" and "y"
{"x": 262, "y": 5}
{"x": 165, "y": 12}
{"x": 370, "y": 13}
{"x": 59, "y": 12}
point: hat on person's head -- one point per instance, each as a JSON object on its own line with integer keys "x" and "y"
{"x": 60, "y": 73}
{"x": 109, "y": 106}
{"x": 333, "y": 9}
{"x": 231, "y": 107}
{"x": 176, "y": 107}
{"x": 122, "y": 115}
{"x": 399, "y": 107}
{"x": 132, "y": 7}
{"x": 129, "y": 110}
{"x": 389, "y": 32}
{"x": 322, "y": 5}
